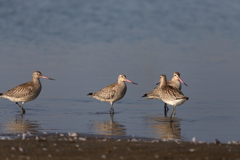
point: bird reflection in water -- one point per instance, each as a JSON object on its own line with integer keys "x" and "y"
{"x": 166, "y": 129}
{"x": 109, "y": 127}
{"x": 21, "y": 125}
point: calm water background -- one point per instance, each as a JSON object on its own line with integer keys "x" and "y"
{"x": 86, "y": 44}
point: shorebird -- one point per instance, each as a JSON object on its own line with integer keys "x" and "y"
{"x": 113, "y": 92}
{"x": 175, "y": 83}
{"x": 25, "y": 92}
{"x": 154, "y": 94}
{"x": 170, "y": 95}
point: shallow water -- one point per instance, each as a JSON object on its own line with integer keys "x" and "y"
{"x": 85, "y": 45}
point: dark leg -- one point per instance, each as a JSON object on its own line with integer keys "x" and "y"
{"x": 111, "y": 110}
{"x": 111, "y": 117}
{"x": 23, "y": 110}
{"x": 165, "y": 109}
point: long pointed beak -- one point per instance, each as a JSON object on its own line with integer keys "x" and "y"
{"x": 182, "y": 81}
{"x": 130, "y": 81}
{"x": 47, "y": 78}
{"x": 158, "y": 83}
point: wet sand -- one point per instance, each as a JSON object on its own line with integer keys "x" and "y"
{"x": 78, "y": 147}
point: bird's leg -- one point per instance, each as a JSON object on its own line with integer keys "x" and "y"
{"x": 111, "y": 109}
{"x": 23, "y": 110}
{"x": 111, "y": 120}
{"x": 173, "y": 112}
{"x": 165, "y": 109}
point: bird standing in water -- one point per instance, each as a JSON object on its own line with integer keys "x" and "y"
{"x": 174, "y": 82}
{"x": 25, "y": 92}
{"x": 113, "y": 92}
{"x": 170, "y": 95}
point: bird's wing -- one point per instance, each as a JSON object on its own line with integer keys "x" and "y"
{"x": 154, "y": 93}
{"x": 107, "y": 92}
{"x": 177, "y": 93}
{"x": 20, "y": 90}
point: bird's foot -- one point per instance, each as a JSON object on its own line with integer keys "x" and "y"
{"x": 171, "y": 118}
{"x": 23, "y": 111}
{"x": 111, "y": 111}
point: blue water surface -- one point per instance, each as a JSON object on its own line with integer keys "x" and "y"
{"x": 85, "y": 45}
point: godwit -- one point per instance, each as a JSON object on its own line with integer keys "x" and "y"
{"x": 175, "y": 83}
{"x": 25, "y": 92}
{"x": 170, "y": 95}
{"x": 113, "y": 92}
{"x": 154, "y": 94}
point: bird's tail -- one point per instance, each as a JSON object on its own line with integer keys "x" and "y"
{"x": 89, "y": 94}
{"x": 1, "y": 94}
{"x": 145, "y": 95}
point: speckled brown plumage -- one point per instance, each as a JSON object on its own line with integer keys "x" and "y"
{"x": 170, "y": 95}
{"x": 25, "y": 92}
{"x": 175, "y": 82}
{"x": 113, "y": 92}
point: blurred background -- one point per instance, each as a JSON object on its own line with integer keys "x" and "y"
{"x": 86, "y": 44}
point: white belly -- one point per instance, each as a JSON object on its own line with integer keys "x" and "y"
{"x": 175, "y": 102}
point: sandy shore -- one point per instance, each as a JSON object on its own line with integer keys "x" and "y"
{"x": 79, "y": 147}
